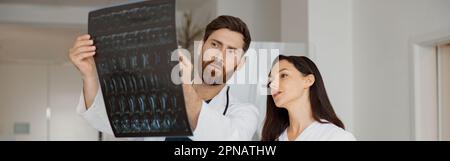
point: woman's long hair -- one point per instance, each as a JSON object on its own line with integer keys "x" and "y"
{"x": 277, "y": 119}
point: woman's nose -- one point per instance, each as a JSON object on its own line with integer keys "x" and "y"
{"x": 274, "y": 85}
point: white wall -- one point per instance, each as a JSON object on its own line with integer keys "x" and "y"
{"x": 294, "y": 21}
{"x": 23, "y": 99}
{"x": 65, "y": 89}
{"x": 25, "y": 90}
{"x": 382, "y": 30}
{"x": 330, "y": 38}
{"x": 261, "y": 16}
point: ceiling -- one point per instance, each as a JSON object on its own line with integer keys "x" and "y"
{"x": 67, "y": 2}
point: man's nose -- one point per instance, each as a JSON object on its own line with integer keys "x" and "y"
{"x": 223, "y": 53}
{"x": 220, "y": 57}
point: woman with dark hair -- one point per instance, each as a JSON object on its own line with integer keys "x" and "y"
{"x": 299, "y": 108}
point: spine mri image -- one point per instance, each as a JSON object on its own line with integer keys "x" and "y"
{"x": 134, "y": 44}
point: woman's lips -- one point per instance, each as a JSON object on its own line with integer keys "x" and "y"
{"x": 274, "y": 95}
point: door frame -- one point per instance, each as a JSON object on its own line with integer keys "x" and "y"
{"x": 441, "y": 49}
{"x": 418, "y": 46}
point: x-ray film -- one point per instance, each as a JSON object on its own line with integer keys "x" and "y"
{"x": 133, "y": 48}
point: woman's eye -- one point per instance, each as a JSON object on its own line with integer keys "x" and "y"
{"x": 283, "y": 75}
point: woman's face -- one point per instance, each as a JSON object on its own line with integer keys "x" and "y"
{"x": 287, "y": 84}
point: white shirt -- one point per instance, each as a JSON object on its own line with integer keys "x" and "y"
{"x": 321, "y": 132}
{"x": 238, "y": 124}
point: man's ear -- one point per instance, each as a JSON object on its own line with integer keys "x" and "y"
{"x": 309, "y": 80}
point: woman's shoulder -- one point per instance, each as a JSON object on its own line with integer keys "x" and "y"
{"x": 329, "y": 132}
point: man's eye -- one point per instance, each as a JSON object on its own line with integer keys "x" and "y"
{"x": 214, "y": 45}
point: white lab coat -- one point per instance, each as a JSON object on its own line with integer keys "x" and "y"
{"x": 239, "y": 123}
{"x": 321, "y": 132}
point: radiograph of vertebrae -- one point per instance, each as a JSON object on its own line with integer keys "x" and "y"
{"x": 133, "y": 60}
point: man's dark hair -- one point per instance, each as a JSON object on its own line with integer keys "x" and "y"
{"x": 232, "y": 23}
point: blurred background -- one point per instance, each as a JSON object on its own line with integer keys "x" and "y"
{"x": 386, "y": 63}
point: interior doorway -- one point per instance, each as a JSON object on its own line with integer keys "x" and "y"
{"x": 430, "y": 87}
{"x": 443, "y": 74}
